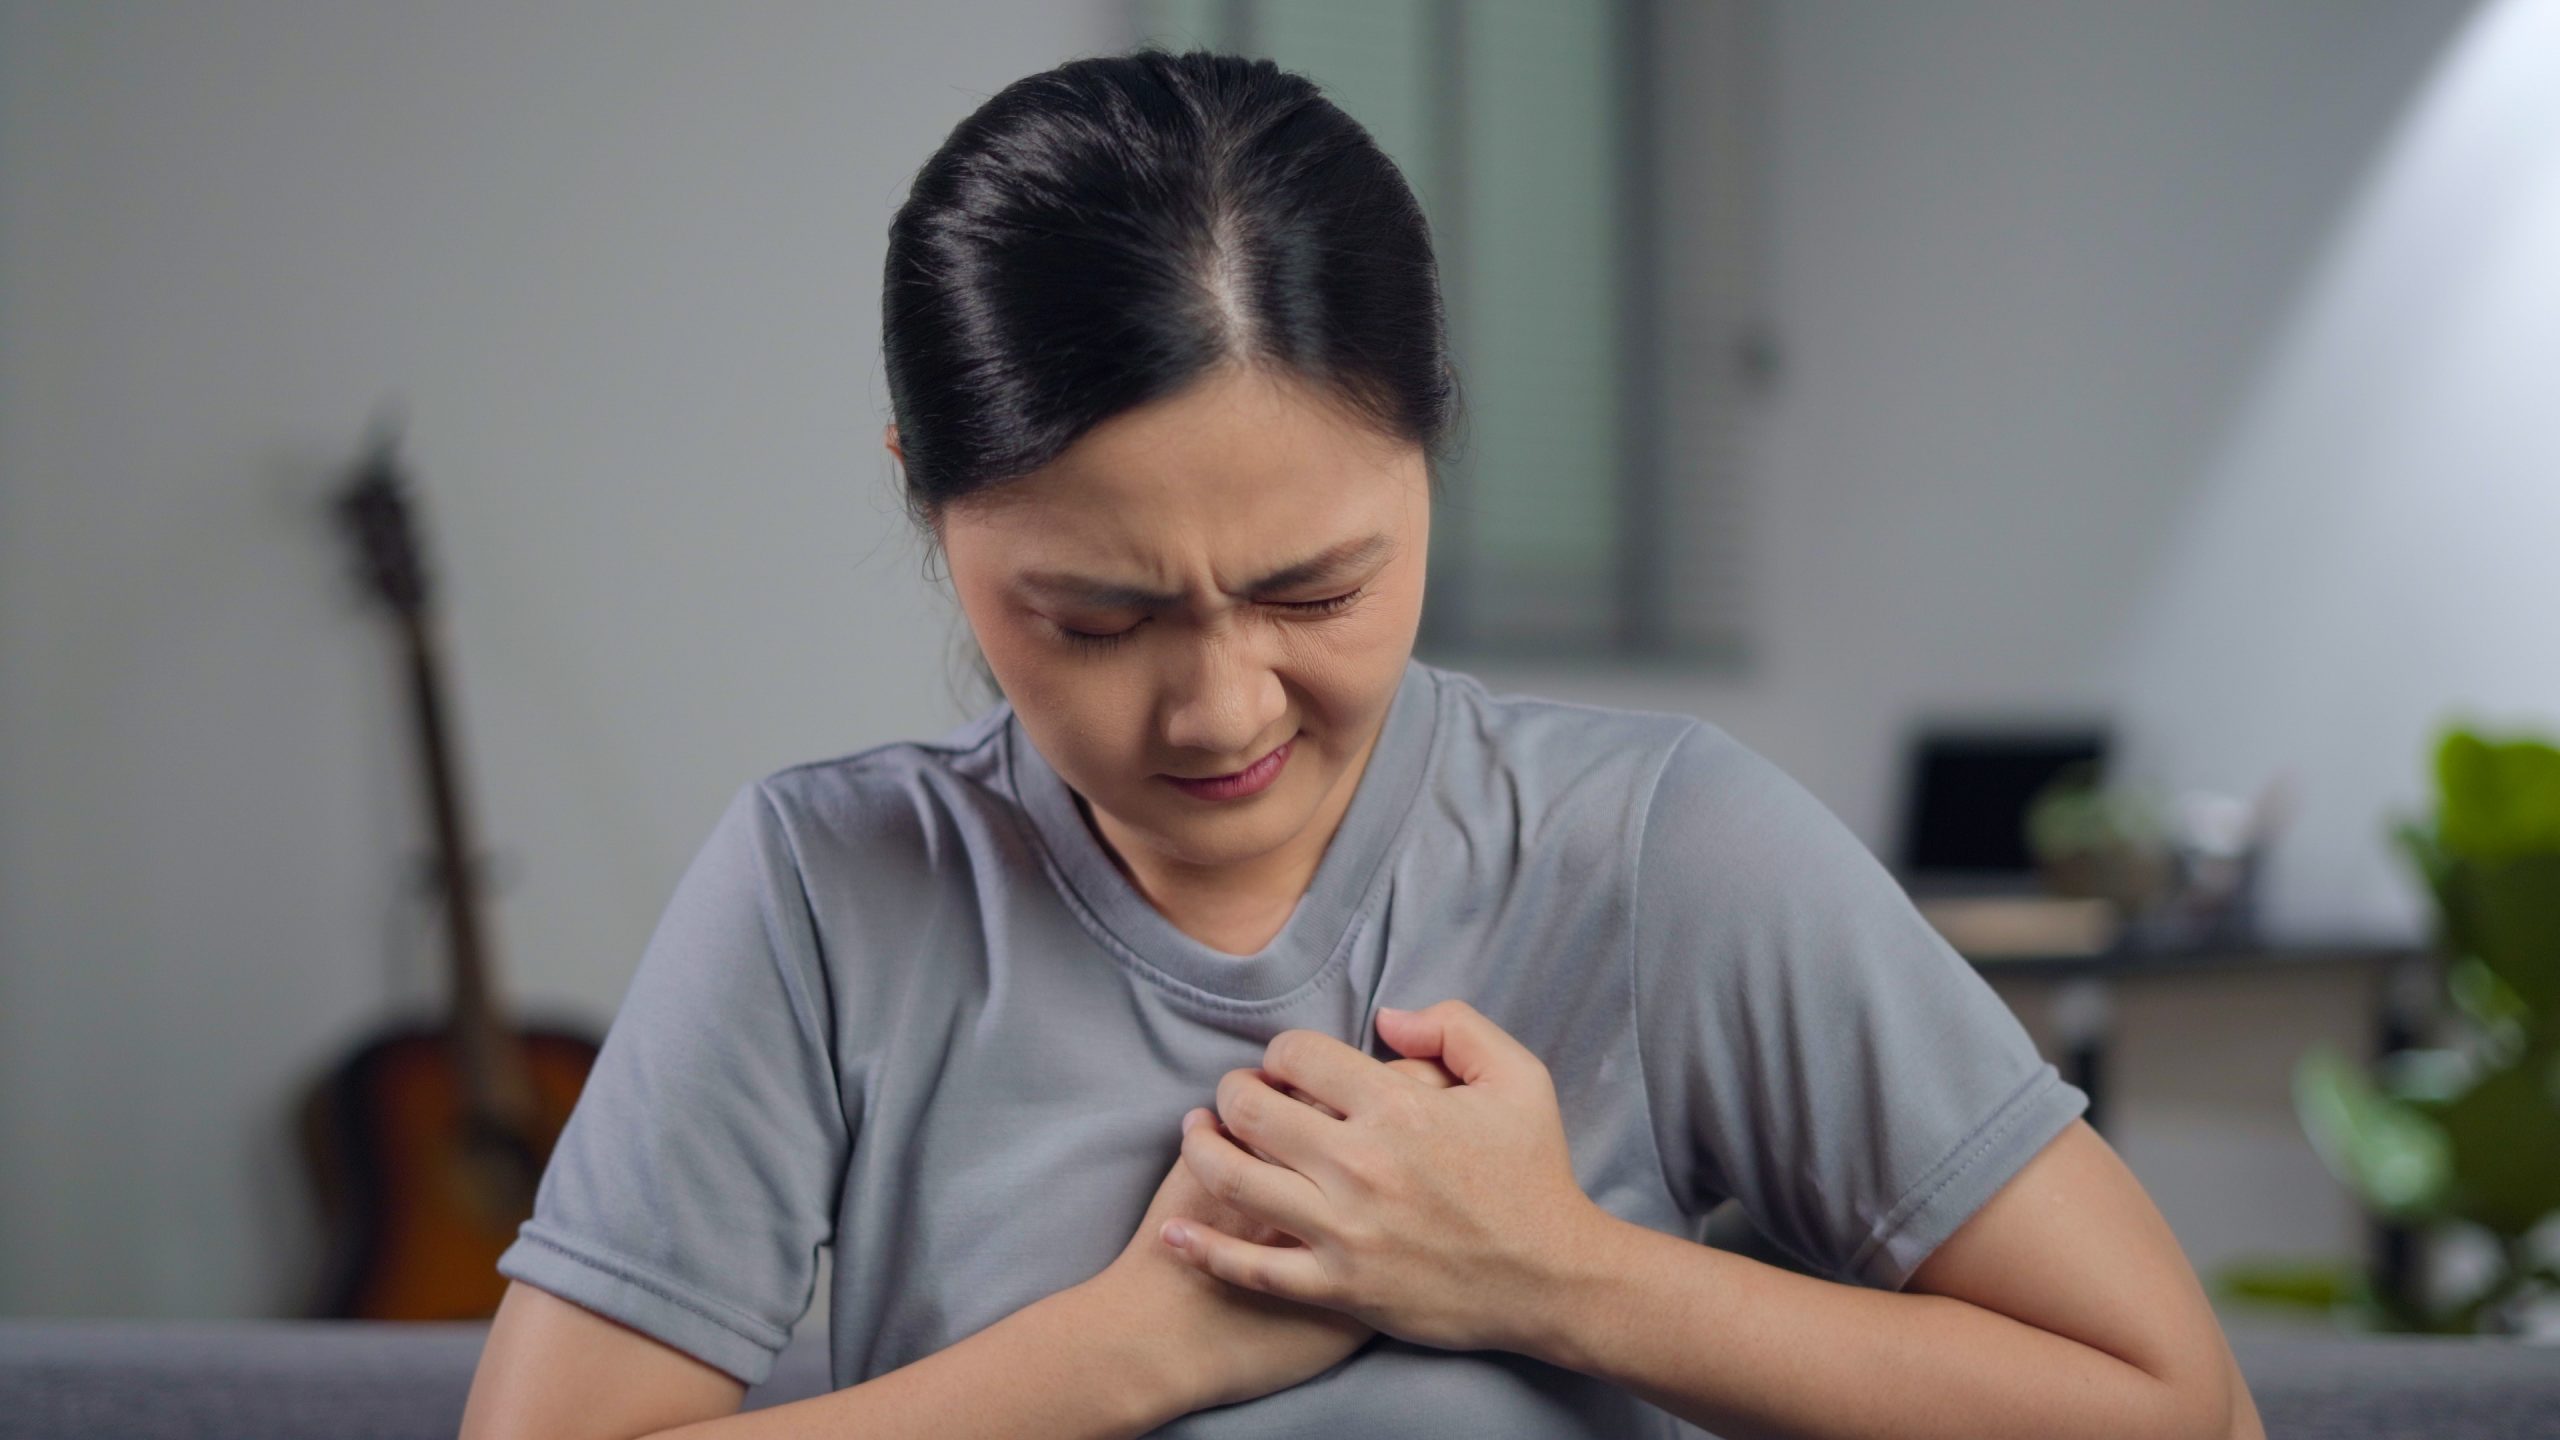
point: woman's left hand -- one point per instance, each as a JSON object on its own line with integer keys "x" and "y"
{"x": 1441, "y": 1216}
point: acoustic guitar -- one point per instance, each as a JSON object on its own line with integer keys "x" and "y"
{"x": 424, "y": 1143}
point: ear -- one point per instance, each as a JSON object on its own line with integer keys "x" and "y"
{"x": 892, "y": 439}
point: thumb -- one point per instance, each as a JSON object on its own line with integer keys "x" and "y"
{"x": 1468, "y": 1043}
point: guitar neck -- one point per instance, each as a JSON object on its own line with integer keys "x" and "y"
{"x": 375, "y": 513}
{"x": 474, "y": 1017}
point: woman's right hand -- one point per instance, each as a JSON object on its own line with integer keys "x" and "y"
{"x": 1225, "y": 1343}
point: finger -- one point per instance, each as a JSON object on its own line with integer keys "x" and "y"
{"x": 1294, "y": 1093}
{"x": 1291, "y": 1274}
{"x": 1273, "y": 1194}
{"x": 1423, "y": 1071}
{"x": 1342, "y": 1076}
{"x": 1461, "y": 1037}
{"x": 1281, "y": 1129}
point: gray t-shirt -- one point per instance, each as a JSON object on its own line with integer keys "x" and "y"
{"x": 903, "y": 1003}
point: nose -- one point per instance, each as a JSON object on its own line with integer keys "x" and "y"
{"x": 1225, "y": 699}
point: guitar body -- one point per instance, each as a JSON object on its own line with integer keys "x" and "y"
{"x": 419, "y": 1198}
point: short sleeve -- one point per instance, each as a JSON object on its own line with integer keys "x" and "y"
{"x": 1812, "y": 1047}
{"x": 699, "y": 1171}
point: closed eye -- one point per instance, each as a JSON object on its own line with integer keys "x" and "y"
{"x": 1332, "y": 605}
{"x": 1324, "y": 607}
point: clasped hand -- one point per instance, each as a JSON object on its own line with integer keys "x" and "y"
{"x": 1437, "y": 1215}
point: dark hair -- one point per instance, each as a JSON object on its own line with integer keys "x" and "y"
{"x": 1104, "y": 233}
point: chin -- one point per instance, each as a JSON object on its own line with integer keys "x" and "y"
{"x": 1230, "y": 831}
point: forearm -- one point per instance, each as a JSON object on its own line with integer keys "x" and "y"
{"x": 1067, "y": 1365}
{"x": 1755, "y": 1352}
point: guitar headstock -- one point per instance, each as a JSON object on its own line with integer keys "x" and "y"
{"x": 373, "y": 507}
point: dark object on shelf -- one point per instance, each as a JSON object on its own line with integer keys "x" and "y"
{"x": 1966, "y": 793}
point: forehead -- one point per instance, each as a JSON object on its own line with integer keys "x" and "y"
{"x": 1241, "y": 472}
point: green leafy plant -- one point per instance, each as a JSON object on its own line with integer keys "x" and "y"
{"x": 2465, "y": 1137}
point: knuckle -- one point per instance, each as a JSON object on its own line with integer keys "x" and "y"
{"x": 1228, "y": 1185}
{"x": 1358, "y": 1240}
{"x": 1285, "y": 1050}
{"x": 1360, "y": 1166}
{"x": 1404, "y": 1111}
{"x": 1239, "y": 1100}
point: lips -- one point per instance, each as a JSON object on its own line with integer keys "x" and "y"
{"x": 1247, "y": 781}
{"x": 1230, "y": 775}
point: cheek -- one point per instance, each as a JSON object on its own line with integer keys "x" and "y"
{"x": 1019, "y": 647}
{"x": 1365, "y": 649}
{"x": 1010, "y": 645}
{"x": 1044, "y": 680}
{"x": 1089, "y": 717}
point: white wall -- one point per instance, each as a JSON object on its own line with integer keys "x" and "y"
{"x": 2058, "y": 286}
{"x": 623, "y": 264}
{"x": 2032, "y": 267}
{"x": 2372, "y": 544}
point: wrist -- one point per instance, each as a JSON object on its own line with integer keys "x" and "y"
{"x": 1583, "y": 1290}
{"x": 1150, "y": 1382}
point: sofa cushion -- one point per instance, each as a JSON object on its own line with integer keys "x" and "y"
{"x": 373, "y": 1380}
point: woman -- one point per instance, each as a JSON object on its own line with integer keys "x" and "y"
{"x": 999, "y": 1015}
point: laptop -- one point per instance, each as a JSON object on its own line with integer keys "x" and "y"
{"x": 1966, "y": 789}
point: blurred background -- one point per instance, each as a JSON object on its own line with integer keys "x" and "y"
{"x": 2107, "y": 452}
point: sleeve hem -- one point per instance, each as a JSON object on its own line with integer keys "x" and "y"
{"x": 636, "y": 1296}
{"x": 1963, "y": 1182}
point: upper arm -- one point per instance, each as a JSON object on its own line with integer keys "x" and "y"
{"x": 2073, "y": 1245}
{"x": 559, "y": 1370}
{"x": 1811, "y": 1046}
{"x": 697, "y": 1177}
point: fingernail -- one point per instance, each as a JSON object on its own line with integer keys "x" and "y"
{"x": 1176, "y": 1235}
{"x": 1189, "y": 1118}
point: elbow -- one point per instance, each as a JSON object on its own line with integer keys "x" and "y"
{"x": 2215, "y": 1403}
{"x": 2204, "y": 1405}
{"x": 2182, "y": 1410}
{"x": 2215, "y": 1410}
{"x": 2198, "y": 1389}
{"x": 2194, "y": 1397}
{"x": 2236, "y": 1415}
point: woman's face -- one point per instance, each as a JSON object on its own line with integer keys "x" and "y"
{"x": 1182, "y": 534}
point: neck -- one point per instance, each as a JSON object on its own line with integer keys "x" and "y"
{"x": 1237, "y": 908}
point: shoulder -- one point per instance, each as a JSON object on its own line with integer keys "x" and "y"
{"x": 1714, "y": 788}
{"x": 1702, "y": 814}
{"x": 1526, "y": 724}
{"x": 889, "y": 806}
{"x": 1723, "y": 815}
{"x": 1733, "y": 846}
{"x": 1538, "y": 760}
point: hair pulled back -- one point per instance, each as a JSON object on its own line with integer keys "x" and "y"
{"x": 1104, "y": 233}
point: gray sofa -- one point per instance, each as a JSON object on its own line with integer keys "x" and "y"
{"x": 360, "y": 1380}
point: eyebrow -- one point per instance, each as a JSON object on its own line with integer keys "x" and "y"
{"x": 1332, "y": 560}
